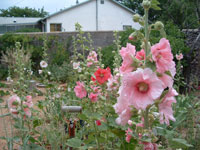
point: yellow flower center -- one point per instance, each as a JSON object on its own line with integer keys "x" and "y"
{"x": 142, "y": 87}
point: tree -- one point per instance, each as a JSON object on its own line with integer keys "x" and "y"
{"x": 22, "y": 12}
{"x": 184, "y": 13}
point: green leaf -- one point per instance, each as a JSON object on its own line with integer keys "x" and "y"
{"x": 37, "y": 122}
{"x": 82, "y": 117}
{"x": 4, "y": 115}
{"x": 168, "y": 73}
{"x": 1, "y": 100}
{"x": 74, "y": 142}
{"x": 178, "y": 143}
{"x": 154, "y": 5}
{"x": 103, "y": 127}
{"x": 118, "y": 132}
{"x": 151, "y": 65}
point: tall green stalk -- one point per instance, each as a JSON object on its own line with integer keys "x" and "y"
{"x": 146, "y": 42}
{"x": 146, "y": 26}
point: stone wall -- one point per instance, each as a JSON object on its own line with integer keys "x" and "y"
{"x": 192, "y": 71}
{"x": 99, "y": 38}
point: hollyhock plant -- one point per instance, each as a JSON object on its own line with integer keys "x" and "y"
{"x": 128, "y": 135}
{"x": 127, "y": 53}
{"x": 80, "y": 90}
{"x": 141, "y": 88}
{"x": 113, "y": 83}
{"x": 28, "y": 102}
{"x": 150, "y": 146}
{"x": 76, "y": 65}
{"x": 93, "y": 97}
{"x": 165, "y": 108}
{"x": 102, "y": 75}
{"x": 140, "y": 55}
{"x": 179, "y": 57}
{"x": 92, "y": 58}
{"x": 13, "y": 102}
{"x": 43, "y": 64}
{"x": 98, "y": 122}
{"x": 161, "y": 54}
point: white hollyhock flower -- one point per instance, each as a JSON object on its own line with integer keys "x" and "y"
{"x": 43, "y": 64}
{"x": 76, "y": 65}
{"x": 39, "y": 71}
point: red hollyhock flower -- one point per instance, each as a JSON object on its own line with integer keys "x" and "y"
{"x": 102, "y": 75}
{"x": 98, "y": 122}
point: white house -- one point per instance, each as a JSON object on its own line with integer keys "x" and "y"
{"x": 92, "y": 15}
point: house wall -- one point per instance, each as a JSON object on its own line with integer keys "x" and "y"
{"x": 84, "y": 15}
{"x": 110, "y": 16}
{"x": 113, "y": 17}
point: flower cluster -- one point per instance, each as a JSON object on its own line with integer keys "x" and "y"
{"x": 141, "y": 86}
{"x": 15, "y": 105}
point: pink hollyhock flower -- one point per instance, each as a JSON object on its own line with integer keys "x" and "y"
{"x": 165, "y": 107}
{"x": 140, "y": 88}
{"x": 124, "y": 116}
{"x": 27, "y": 112}
{"x": 179, "y": 57}
{"x": 93, "y": 97}
{"x": 161, "y": 54}
{"x": 127, "y": 55}
{"x": 128, "y": 135}
{"x": 140, "y": 55}
{"x": 122, "y": 109}
{"x": 150, "y": 146}
{"x": 96, "y": 89}
{"x": 92, "y": 58}
{"x": 130, "y": 37}
{"x": 28, "y": 102}
{"x": 102, "y": 75}
{"x": 130, "y": 122}
{"x": 167, "y": 80}
{"x": 13, "y": 101}
{"x": 80, "y": 90}
{"x": 113, "y": 83}
{"x": 14, "y": 112}
{"x": 98, "y": 122}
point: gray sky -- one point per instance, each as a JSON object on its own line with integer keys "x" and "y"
{"x": 50, "y": 6}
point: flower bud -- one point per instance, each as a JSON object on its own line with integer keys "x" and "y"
{"x": 130, "y": 37}
{"x": 136, "y": 18}
{"x": 141, "y": 22}
{"x": 146, "y": 4}
{"x": 158, "y": 25}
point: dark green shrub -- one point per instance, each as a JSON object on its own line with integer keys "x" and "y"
{"x": 61, "y": 73}
{"x": 108, "y": 56}
{"x": 29, "y": 30}
{"x": 3, "y": 72}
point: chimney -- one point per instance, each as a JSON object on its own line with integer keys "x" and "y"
{"x": 77, "y": 2}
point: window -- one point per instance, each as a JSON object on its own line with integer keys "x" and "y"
{"x": 54, "y": 27}
{"x": 125, "y": 27}
{"x": 102, "y": 1}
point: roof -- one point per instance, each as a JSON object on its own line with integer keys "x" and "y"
{"x": 80, "y": 4}
{"x": 18, "y": 20}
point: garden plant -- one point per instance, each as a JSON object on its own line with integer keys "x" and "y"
{"x": 127, "y": 106}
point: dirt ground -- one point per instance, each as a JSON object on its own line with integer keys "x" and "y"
{"x": 5, "y": 121}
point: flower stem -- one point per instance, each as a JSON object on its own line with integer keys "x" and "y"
{"x": 146, "y": 40}
{"x": 146, "y": 118}
{"x": 95, "y": 128}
